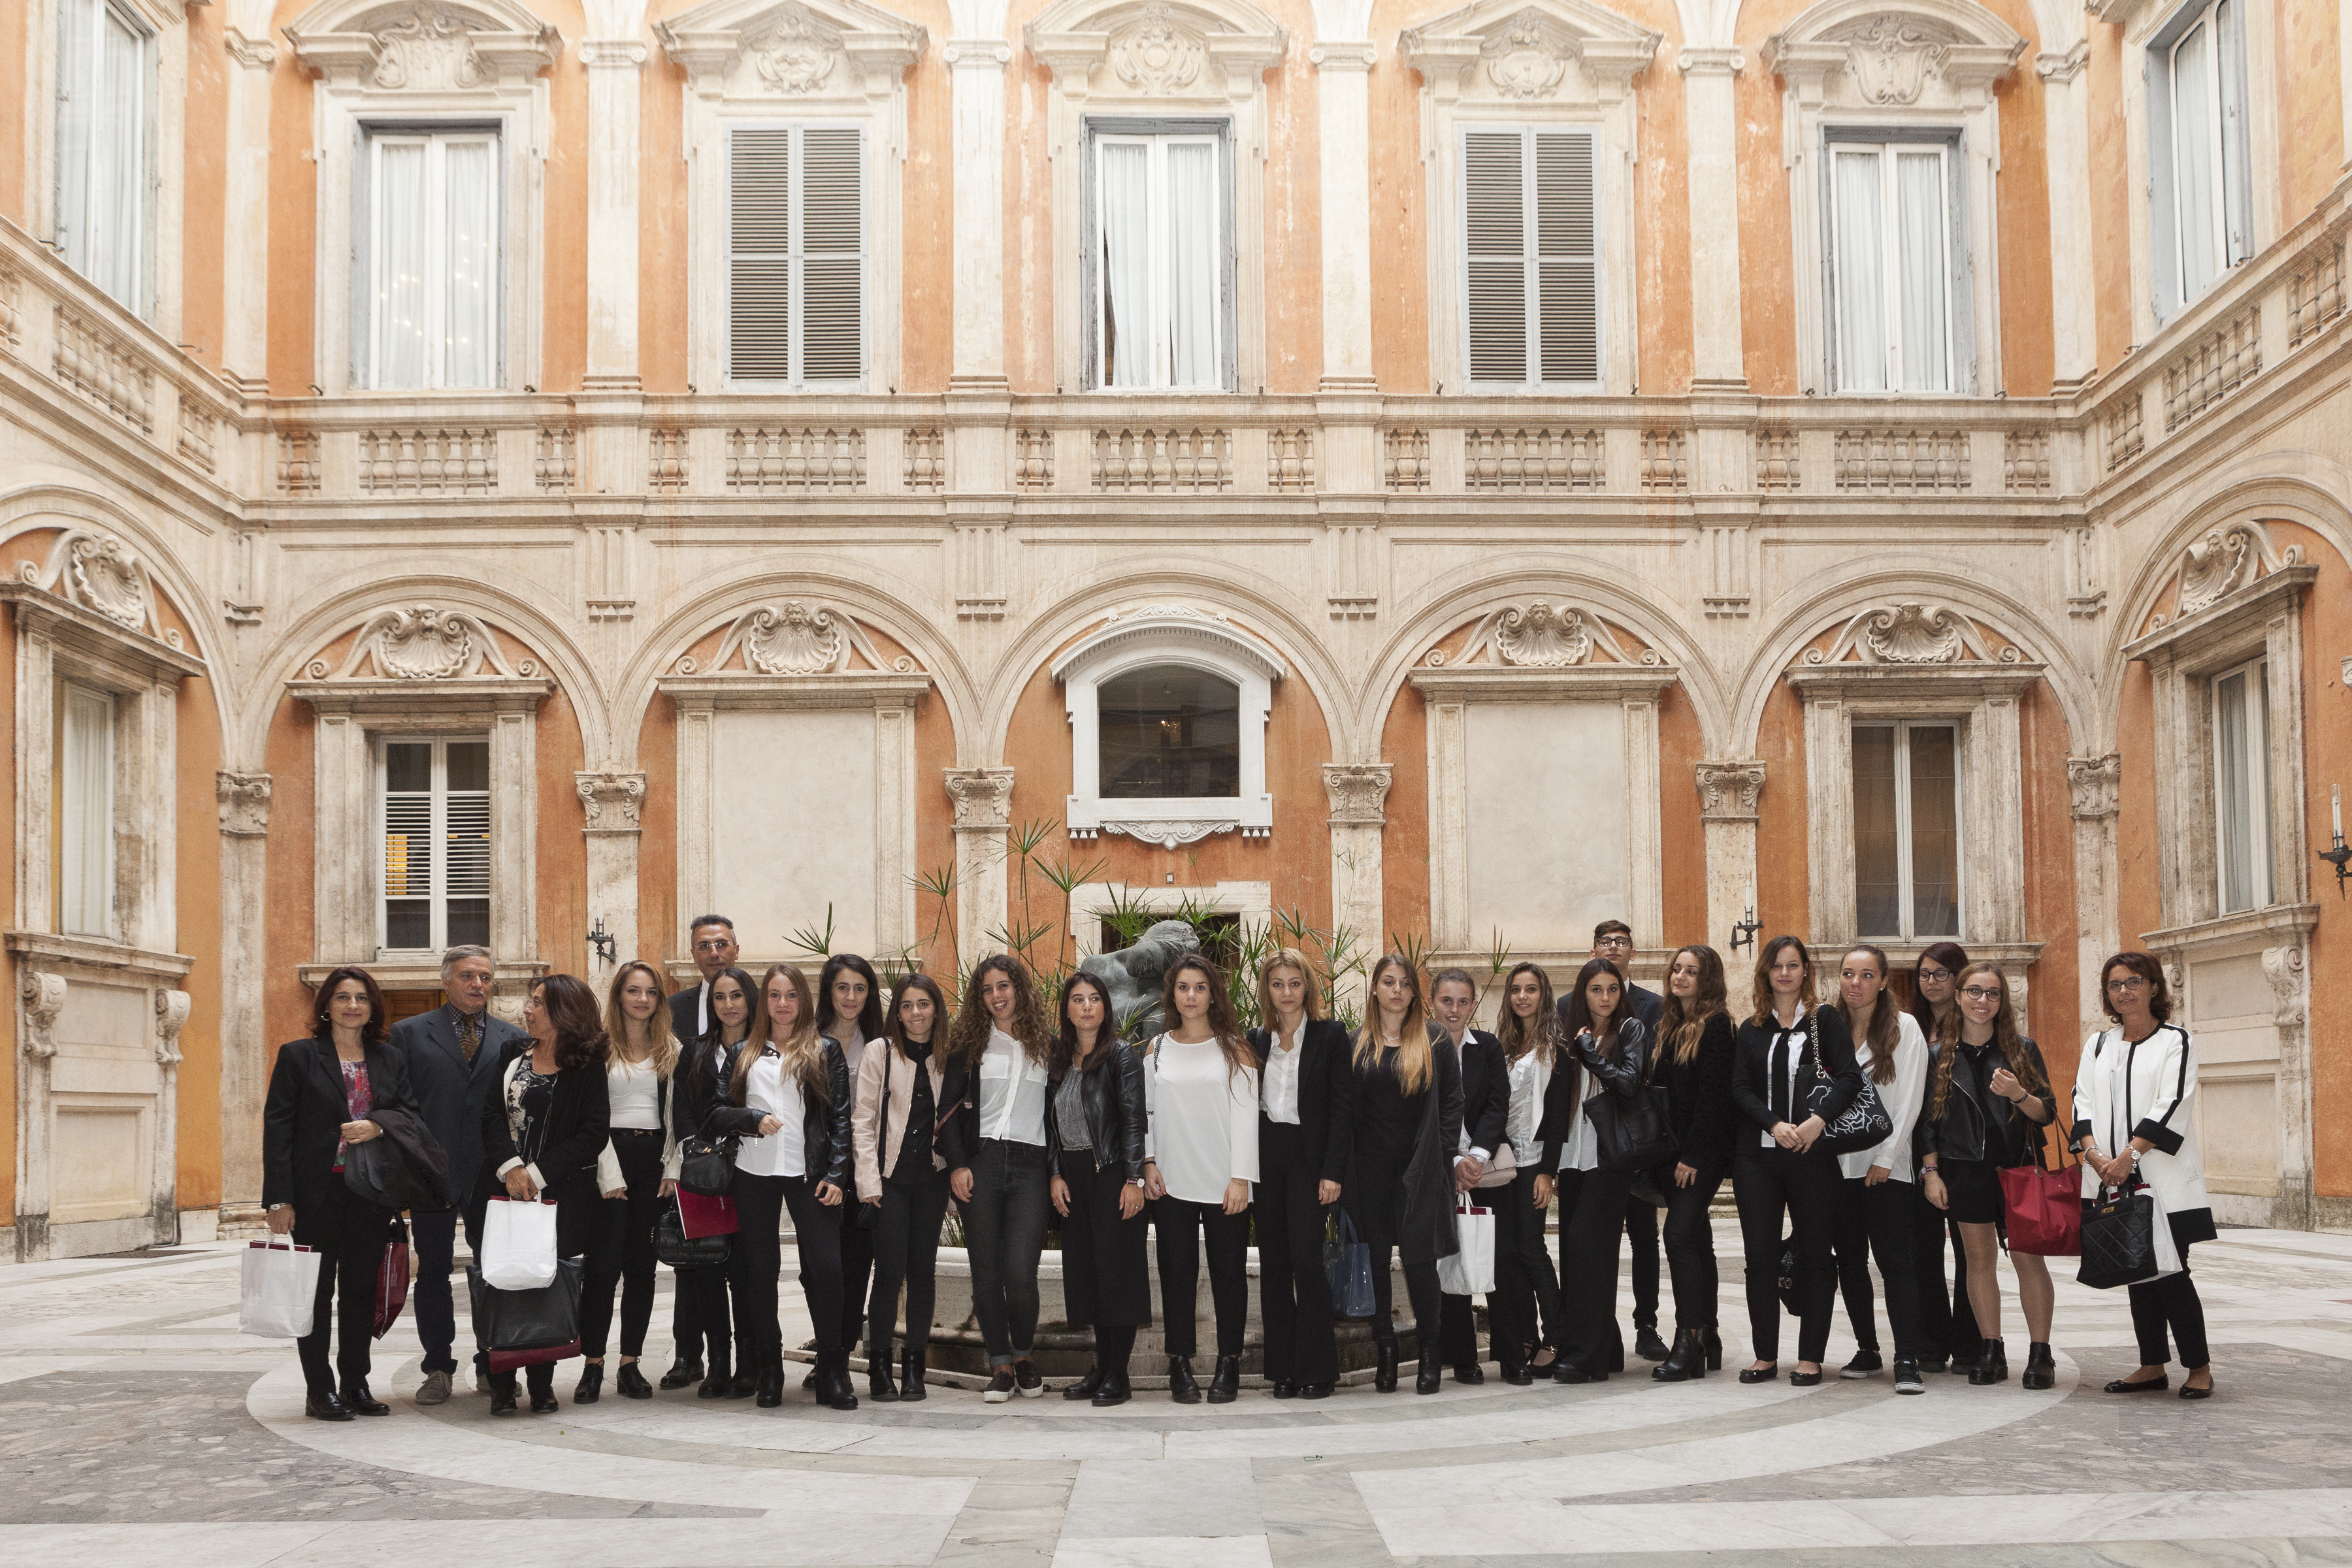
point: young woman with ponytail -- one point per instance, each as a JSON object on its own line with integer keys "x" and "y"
{"x": 1873, "y": 1211}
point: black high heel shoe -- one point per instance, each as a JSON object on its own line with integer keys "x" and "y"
{"x": 1428, "y": 1375}
{"x": 1384, "y": 1366}
{"x": 1713, "y": 1350}
{"x": 1685, "y": 1360}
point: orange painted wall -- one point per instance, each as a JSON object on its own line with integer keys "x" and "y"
{"x": 1682, "y": 847}
{"x": 1399, "y": 227}
{"x": 1783, "y": 884}
{"x": 293, "y": 227}
{"x": 2137, "y": 909}
{"x": 1767, "y": 276}
{"x": 16, "y": 83}
{"x": 2054, "y": 1005}
{"x": 2028, "y": 356}
{"x": 2108, "y": 150}
{"x": 2311, "y": 102}
{"x": 926, "y": 287}
{"x": 564, "y": 332}
{"x": 1405, "y": 842}
{"x": 1662, "y": 214}
{"x": 658, "y": 938}
{"x": 204, "y": 174}
{"x": 563, "y": 891}
{"x": 661, "y": 221}
{"x": 292, "y": 755}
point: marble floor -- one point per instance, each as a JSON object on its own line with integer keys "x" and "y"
{"x": 137, "y": 1426}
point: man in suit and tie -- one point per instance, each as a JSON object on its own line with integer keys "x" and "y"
{"x": 452, "y": 1057}
{"x": 715, "y": 948}
{"x": 1613, "y": 940}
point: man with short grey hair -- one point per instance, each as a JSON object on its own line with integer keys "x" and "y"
{"x": 452, "y": 1055}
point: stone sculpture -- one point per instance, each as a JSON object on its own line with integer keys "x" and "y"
{"x": 1133, "y": 974}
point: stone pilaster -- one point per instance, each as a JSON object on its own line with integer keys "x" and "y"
{"x": 2066, "y": 131}
{"x": 245, "y": 231}
{"x": 1729, "y": 795}
{"x": 2092, "y": 782}
{"x": 1359, "y": 793}
{"x": 1343, "y": 98}
{"x": 983, "y": 816}
{"x": 1718, "y": 357}
{"x": 243, "y": 1044}
{"x": 615, "y": 56}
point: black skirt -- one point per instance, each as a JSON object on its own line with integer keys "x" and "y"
{"x": 1106, "y": 1278}
{"x": 1974, "y": 1188}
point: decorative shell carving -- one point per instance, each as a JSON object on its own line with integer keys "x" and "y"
{"x": 795, "y": 53}
{"x": 99, "y": 572}
{"x": 2216, "y": 563}
{"x": 1529, "y": 57}
{"x": 423, "y": 642}
{"x": 1159, "y": 55}
{"x": 796, "y": 638}
{"x": 430, "y": 49}
{"x": 1891, "y": 61}
{"x": 1538, "y": 637}
{"x": 1912, "y": 633}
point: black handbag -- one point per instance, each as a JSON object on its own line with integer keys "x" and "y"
{"x": 1634, "y": 1134}
{"x": 527, "y": 1319}
{"x": 707, "y": 1166}
{"x": 1862, "y": 1124}
{"x": 2118, "y": 1240}
{"x": 672, "y": 1246}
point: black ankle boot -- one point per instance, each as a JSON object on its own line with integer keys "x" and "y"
{"x": 833, "y": 1386}
{"x": 719, "y": 1383}
{"x": 1993, "y": 1365}
{"x": 1384, "y": 1367}
{"x": 772, "y": 1387}
{"x": 880, "y": 1388}
{"x": 1085, "y": 1387}
{"x": 631, "y": 1384}
{"x": 1428, "y": 1373}
{"x": 1714, "y": 1342}
{"x": 1685, "y": 1360}
{"x": 910, "y": 1377}
{"x": 1225, "y": 1384}
{"x": 1182, "y": 1388}
{"x": 2040, "y": 1366}
{"x": 1114, "y": 1389}
{"x": 591, "y": 1386}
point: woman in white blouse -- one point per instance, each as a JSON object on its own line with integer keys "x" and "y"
{"x": 637, "y": 1171}
{"x": 849, "y": 1014}
{"x": 1527, "y": 1286}
{"x": 1874, "y": 1203}
{"x": 1201, "y": 1100}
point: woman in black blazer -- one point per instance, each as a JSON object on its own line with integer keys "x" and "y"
{"x": 1694, "y": 1063}
{"x": 321, "y": 1093}
{"x": 1486, "y": 1109}
{"x": 1785, "y": 1050}
{"x": 705, "y": 1069}
{"x": 1306, "y": 1095}
{"x": 542, "y": 1131}
{"x": 1612, "y": 1047}
{"x": 1095, "y": 1119}
{"x": 1526, "y": 1303}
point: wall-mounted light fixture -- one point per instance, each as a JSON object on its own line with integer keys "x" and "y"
{"x": 1743, "y": 931}
{"x": 2336, "y": 854}
{"x": 602, "y": 941}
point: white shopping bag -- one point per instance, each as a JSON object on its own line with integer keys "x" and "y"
{"x": 518, "y": 1245}
{"x": 279, "y": 1288}
{"x": 1471, "y": 1270}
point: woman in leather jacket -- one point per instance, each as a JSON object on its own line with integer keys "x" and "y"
{"x": 1613, "y": 1047}
{"x": 1094, "y": 1139}
{"x": 704, "y": 1071}
{"x": 789, "y": 1098}
{"x": 1987, "y": 1101}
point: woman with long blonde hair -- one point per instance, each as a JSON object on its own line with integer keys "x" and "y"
{"x": 1399, "y": 1193}
{"x": 637, "y": 1170}
{"x": 1306, "y": 1097}
{"x": 1694, "y": 1063}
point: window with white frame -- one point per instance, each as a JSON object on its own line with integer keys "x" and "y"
{"x": 1907, "y": 830}
{"x": 432, "y": 269}
{"x": 1160, "y": 290}
{"x": 1531, "y": 258}
{"x": 434, "y": 805}
{"x": 2242, "y": 745}
{"x": 84, "y": 811}
{"x": 1892, "y": 264}
{"x": 796, "y": 254}
{"x": 2201, "y": 174}
{"x": 106, "y": 107}
{"x": 1169, "y": 730}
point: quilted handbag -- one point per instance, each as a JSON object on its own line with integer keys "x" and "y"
{"x": 674, "y": 1246}
{"x": 2127, "y": 1240}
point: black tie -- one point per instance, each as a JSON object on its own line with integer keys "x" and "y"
{"x": 1780, "y": 1076}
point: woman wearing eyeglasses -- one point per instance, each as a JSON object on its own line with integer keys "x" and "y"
{"x": 2132, "y": 1096}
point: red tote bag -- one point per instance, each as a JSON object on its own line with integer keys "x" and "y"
{"x": 392, "y": 1280}
{"x": 700, "y": 1216}
{"x": 2044, "y": 1209}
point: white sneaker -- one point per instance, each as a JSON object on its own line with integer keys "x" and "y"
{"x": 434, "y": 1390}
{"x": 1000, "y": 1387}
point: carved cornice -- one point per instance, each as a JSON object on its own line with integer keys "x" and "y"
{"x": 244, "y": 804}
{"x": 426, "y": 48}
{"x": 827, "y": 49}
{"x": 2095, "y": 783}
{"x": 253, "y": 54}
{"x": 1173, "y": 625}
{"x": 982, "y": 798}
{"x": 423, "y": 643}
{"x": 139, "y": 658}
{"x": 2059, "y": 70}
{"x": 1187, "y": 51}
{"x": 1358, "y": 793}
{"x": 796, "y": 638}
{"x": 612, "y": 802}
{"x": 1691, "y": 62}
{"x": 1529, "y": 52}
{"x": 1868, "y": 54}
{"x": 1538, "y": 637}
{"x": 1731, "y": 791}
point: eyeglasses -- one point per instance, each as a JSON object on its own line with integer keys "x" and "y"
{"x": 2129, "y": 982}
{"x": 1617, "y": 941}
{"x": 1936, "y": 976}
{"x": 1982, "y": 994}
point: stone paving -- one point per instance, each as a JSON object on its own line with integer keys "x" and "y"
{"x": 136, "y": 1426}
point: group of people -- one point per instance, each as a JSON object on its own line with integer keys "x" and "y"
{"x": 863, "y": 1116}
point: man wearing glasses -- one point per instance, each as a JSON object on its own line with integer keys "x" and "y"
{"x": 1613, "y": 940}
{"x": 715, "y": 951}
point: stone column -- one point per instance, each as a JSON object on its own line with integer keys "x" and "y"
{"x": 614, "y": 58}
{"x": 244, "y": 1046}
{"x": 610, "y": 802}
{"x": 1729, "y": 795}
{"x": 976, "y": 58}
{"x": 2065, "y": 114}
{"x": 2290, "y": 982}
{"x": 983, "y": 816}
{"x": 245, "y": 234}
{"x": 1359, "y": 793}
{"x": 2093, "y": 782}
{"x": 1343, "y": 96}
{"x": 40, "y": 999}
{"x": 1718, "y": 356}
{"x": 170, "y": 1018}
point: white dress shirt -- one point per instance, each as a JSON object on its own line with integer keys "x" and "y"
{"x": 1531, "y": 1077}
{"x": 784, "y": 1151}
{"x": 1011, "y": 1093}
{"x": 1200, "y": 1121}
{"x": 1281, "y": 1087}
{"x": 1800, "y": 1036}
{"x": 1902, "y": 1098}
{"x": 635, "y": 1091}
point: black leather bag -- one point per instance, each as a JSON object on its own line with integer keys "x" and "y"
{"x": 672, "y": 1246}
{"x": 707, "y": 1166}
{"x": 1862, "y": 1124}
{"x": 2119, "y": 1239}
{"x": 527, "y": 1320}
{"x": 1633, "y": 1134}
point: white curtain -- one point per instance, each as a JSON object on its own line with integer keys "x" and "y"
{"x": 471, "y": 209}
{"x": 2196, "y": 178}
{"x": 2236, "y": 178}
{"x": 86, "y": 836}
{"x": 2234, "y": 790}
{"x": 1126, "y": 285}
{"x": 1193, "y": 235}
{"x": 401, "y": 240}
{"x": 77, "y": 120}
{"x": 1861, "y": 260}
{"x": 1922, "y": 262}
{"x": 118, "y": 197}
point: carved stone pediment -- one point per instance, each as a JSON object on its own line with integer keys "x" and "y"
{"x": 797, "y": 49}
{"x": 1895, "y": 54}
{"x": 424, "y": 46}
{"x": 101, "y": 574}
{"x": 1540, "y": 636}
{"x": 423, "y": 643}
{"x": 1911, "y": 634}
{"x": 1172, "y": 51}
{"x": 2225, "y": 559}
{"x": 794, "y": 637}
{"x": 1523, "y": 51}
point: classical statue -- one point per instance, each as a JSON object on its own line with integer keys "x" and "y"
{"x": 1133, "y": 974}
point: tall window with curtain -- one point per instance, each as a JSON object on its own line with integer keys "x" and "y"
{"x": 1531, "y": 258}
{"x": 433, "y": 806}
{"x": 106, "y": 87}
{"x": 1891, "y": 266}
{"x": 2242, "y": 785}
{"x": 1907, "y": 830}
{"x": 84, "y": 811}
{"x": 2202, "y": 82}
{"x": 796, "y": 254}
{"x": 433, "y": 275}
{"x": 1162, "y": 310}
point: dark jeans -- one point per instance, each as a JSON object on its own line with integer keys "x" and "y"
{"x": 1180, "y": 1227}
{"x": 1947, "y": 1321}
{"x": 703, "y": 1297}
{"x": 2170, "y": 1303}
{"x": 905, "y": 1252}
{"x": 1642, "y": 1241}
{"x": 759, "y": 1205}
{"x": 1524, "y": 1311}
{"x": 1003, "y": 1232}
{"x": 1690, "y": 1251}
{"x": 1592, "y": 1222}
{"x": 435, "y": 1232}
{"x": 1768, "y": 1183}
{"x": 857, "y": 1272}
{"x": 621, "y": 1248}
{"x": 348, "y": 1233}
{"x": 1421, "y": 1287}
{"x": 1294, "y": 1293}
{"x": 1877, "y": 1219}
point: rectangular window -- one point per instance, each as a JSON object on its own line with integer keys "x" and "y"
{"x": 1907, "y": 830}
{"x": 84, "y": 811}
{"x": 797, "y": 255}
{"x": 2242, "y": 745}
{"x": 105, "y": 72}
{"x": 1531, "y": 258}
{"x": 435, "y": 807}
{"x": 1891, "y": 270}
{"x": 432, "y": 264}
{"x": 1162, "y": 298}
{"x": 2204, "y": 90}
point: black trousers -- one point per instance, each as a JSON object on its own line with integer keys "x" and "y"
{"x": 1421, "y": 1289}
{"x": 1106, "y": 1270}
{"x": 1294, "y": 1293}
{"x": 1769, "y": 1183}
{"x": 348, "y": 1233}
{"x": 857, "y": 1272}
{"x": 1690, "y": 1251}
{"x": 759, "y": 1205}
{"x": 1877, "y": 1220}
{"x": 621, "y": 1247}
{"x": 1003, "y": 1233}
{"x": 1524, "y": 1311}
{"x": 2170, "y": 1302}
{"x": 1641, "y": 1242}
{"x": 703, "y": 1298}
{"x": 906, "y": 1253}
{"x": 435, "y": 1232}
{"x": 1180, "y": 1227}
{"x": 1592, "y": 1222}
{"x": 1947, "y": 1320}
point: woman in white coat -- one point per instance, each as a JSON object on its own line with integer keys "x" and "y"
{"x": 2131, "y": 1097}
{"x": 1874, "y": 1200}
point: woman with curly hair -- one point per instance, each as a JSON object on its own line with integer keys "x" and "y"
{"x": 1526, "y": 1284}
{"x": 994, "y": 1144}
{"x": 901, "y": 1083}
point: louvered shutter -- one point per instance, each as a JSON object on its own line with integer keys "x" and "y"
{"x": 832, "y": 243}
{"x": 1495, "y": 266}
{"x": 758, "y": 261}
{"x": 1569, "y": 286}
{"x": 1531, "y": 265}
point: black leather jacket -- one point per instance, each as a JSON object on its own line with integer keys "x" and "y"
{"x": 1113, "y": 1092}
{"x": 1624, "y": 1073}
{"x": 824, "y": 1124}
{"x": 1968, "y": 1130}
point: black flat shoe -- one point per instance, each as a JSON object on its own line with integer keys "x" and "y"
{"x": 1906, "y": 1376}
{"x": 1866, "y": 1364}
{"x": 1114, "y": 1390}
{"x": 2156, "y": 1385}
{"x": 1804, "y": 1380}
{"x": 1085, "y": 1387}
{"x": 1315, "y": 1390}
{"x": 1428, "y": 1378}
{"x": 1384, "y": 1366}
{"x": 1473, "y": 1373}
{"x": 772, "y": 1388}
{"x": 630, "y": 1383}
{"x": 1025, "y": 1381}
{"x": 1517, "y": 1376}
{"x": 743, "y": 1385}
{"x": 682, "y": 1371}
{"x": 1563, "y": 1372}
{"x": 1181, "y": 1386}
{"x": 544, "y": 1401}
{"x": 1284, "y": 1388}
{"x": 1225, "y": 1384}
{"x": 360, "y": 1401}
{"x": 1648, "y": 1346}
{"x": 2190, "y": 1391}
{"x": 326, "y": 1407}
{"x": 1760, "y": 1374}
{"x": 711, "y": 1388}
{"x": 590, "y": 1387}
{"x": 2041, "y": 1367}
{"x": 1934, "y": 1362}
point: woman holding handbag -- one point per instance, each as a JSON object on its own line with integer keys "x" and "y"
{"x": 1095, "y": 1119}
{"x": 1694, "y": 1066}
{"x": 2132, "y": 1096}
{"x": 1485, "y": 1112}
{"x": 637, "y": 1173}
{"x": 849, "y": 1014}
{"x": 1306, "y": 1097}
{"x": 542, "y": 1131}
{"x": 1792, "y": 1074}
{"x": 894, "y": 1112}
{"x": 1525, "y": 1307}
{"x": 698, "y": 1091}
{"x": 1612, "y": 1046}
{"x": 1986, "y": 1096}
{"x": 1874, "y": 1209}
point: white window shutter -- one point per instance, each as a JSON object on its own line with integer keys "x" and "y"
{"x": 759, "y": 259}
{"x": 832, "y": 243}
{"x": 1495, "y": 259}
{"x": 1568, "y": 282}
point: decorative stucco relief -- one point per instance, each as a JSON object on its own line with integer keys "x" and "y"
{"x": 796, "y": 638}
{"x": 423, "y": 642}
{"x": 1538, "y": 635}
{"x": 1912, "y": 633}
